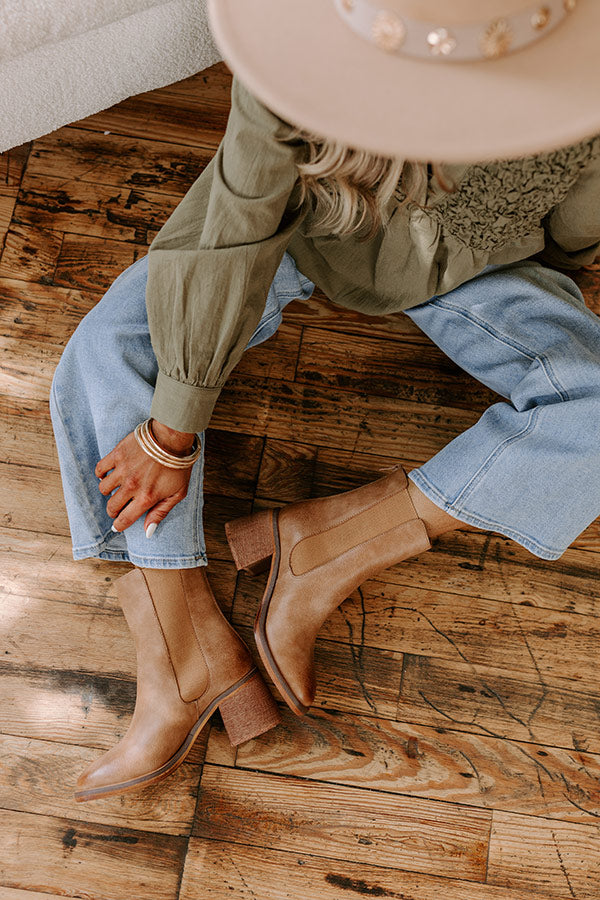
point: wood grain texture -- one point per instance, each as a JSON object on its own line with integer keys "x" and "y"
{"x": 51, "y": 854}
{"x": 7, "y": 205}
{"x": 378, "y": 425}
{"x": 342, "y": 823}
{"x": 319, "y": 312}
{"x": 495, "y": 568}
{"x": 91, "y": 263}
{"x": 86, "y": 710}
{"x": 286, "y": 471}
{"x": 26, "y": 436}
{"x": 588, "y": 281}
{"x": 120, "y": 161}
{"x": 274, "y": 358}
{"x": 41, "y": 566}
{"x": 50, "y": 634}
{"x": 32, "y": 499}
{"x": 443, "y": 764}
{"x": 36, "y": 321}
{"x": 389, "y": 368}
{"x": 187, "y": 113}
{"x": 482, "y": 700}
{"x": 227, "y": 471}
{"x": 12, "y": 167}
{"x": 18, "y": 894}
{"x": 72, "y": 207}
{"x": 30, "y": 255}
{"x": 38, "y": 776}
{"x": 559, "y": 858}
{"x": 220, "y": 871}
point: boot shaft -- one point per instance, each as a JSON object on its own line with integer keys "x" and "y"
{"x": 319, "y": 532}
{"x": 337, "y": 524}
{"x": 330, "y": 545}
{"x": 175, "y": 610}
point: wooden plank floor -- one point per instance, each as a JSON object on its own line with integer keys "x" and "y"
{"x": 454, "y": 746}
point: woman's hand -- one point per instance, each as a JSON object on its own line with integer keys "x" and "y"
{"x": 142, "y": 485}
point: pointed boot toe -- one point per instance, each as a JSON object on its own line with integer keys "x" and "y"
{"x": 320, "y": 550}
{"x": 105, "y": 776}
{"x": 152, "y": 748}
{"x": 90, "y": 780}
{"x": 190, "y": 662}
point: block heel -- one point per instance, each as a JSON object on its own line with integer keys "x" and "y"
{"x": 249, "y": 710}
{"x": 251, "y": 541}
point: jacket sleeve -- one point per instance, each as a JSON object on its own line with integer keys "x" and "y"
{"x": 573, "y": 226}
{"x": 211, "y": 265}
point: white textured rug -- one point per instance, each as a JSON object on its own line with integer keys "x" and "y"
{"x": 69, "y": 77}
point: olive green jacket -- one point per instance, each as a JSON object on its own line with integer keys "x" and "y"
{"x": 212, "y": 263}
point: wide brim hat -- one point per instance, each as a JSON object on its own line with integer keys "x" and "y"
{"x": 441, "y": 80}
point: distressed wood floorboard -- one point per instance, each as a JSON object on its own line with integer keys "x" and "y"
{"x": 453, "y": 749}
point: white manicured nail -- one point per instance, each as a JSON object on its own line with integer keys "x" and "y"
{"x": 112, "y": 528}
{"x": 150, "y": 529}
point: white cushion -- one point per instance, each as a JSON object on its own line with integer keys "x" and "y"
{"x": 62, "y": 82}
{"x": 26, "y": 24}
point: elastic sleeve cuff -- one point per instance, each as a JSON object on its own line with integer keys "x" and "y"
{"x": 184, "y": 407}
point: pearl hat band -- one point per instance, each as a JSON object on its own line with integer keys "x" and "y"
{"x": 460, "y": 43}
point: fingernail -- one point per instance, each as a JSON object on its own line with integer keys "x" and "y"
{"x": 112, "y": 528}
{"x": 150, "y": 529}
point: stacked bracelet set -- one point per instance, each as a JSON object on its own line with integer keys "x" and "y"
{"x": 149, "y": 444}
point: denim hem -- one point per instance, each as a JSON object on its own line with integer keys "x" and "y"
{"x": 436, "y": 496}
{"x": 99, "y": 551}
{"x": 476, "y": 478}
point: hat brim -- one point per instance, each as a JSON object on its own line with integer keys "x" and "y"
{"x": 302, "y": 60}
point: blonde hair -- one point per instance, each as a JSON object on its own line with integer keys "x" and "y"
{"x": 348, "y": 188}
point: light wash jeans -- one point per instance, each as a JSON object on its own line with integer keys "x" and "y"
{"x": 529, "y": 468}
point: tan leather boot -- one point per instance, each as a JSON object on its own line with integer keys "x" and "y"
{"x": 320, "y": 550}
{"x": 189, "y": 662}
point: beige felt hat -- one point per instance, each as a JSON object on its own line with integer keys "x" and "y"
{"x": 442, "y": 80}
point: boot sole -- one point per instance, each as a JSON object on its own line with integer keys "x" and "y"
{"x": 174, "y": 762}
{"x": 260, "y": 635}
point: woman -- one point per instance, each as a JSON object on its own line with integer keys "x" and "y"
{"x": 281, "y": 207}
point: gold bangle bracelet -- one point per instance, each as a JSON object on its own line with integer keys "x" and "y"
{"x": 150, "y": 446}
